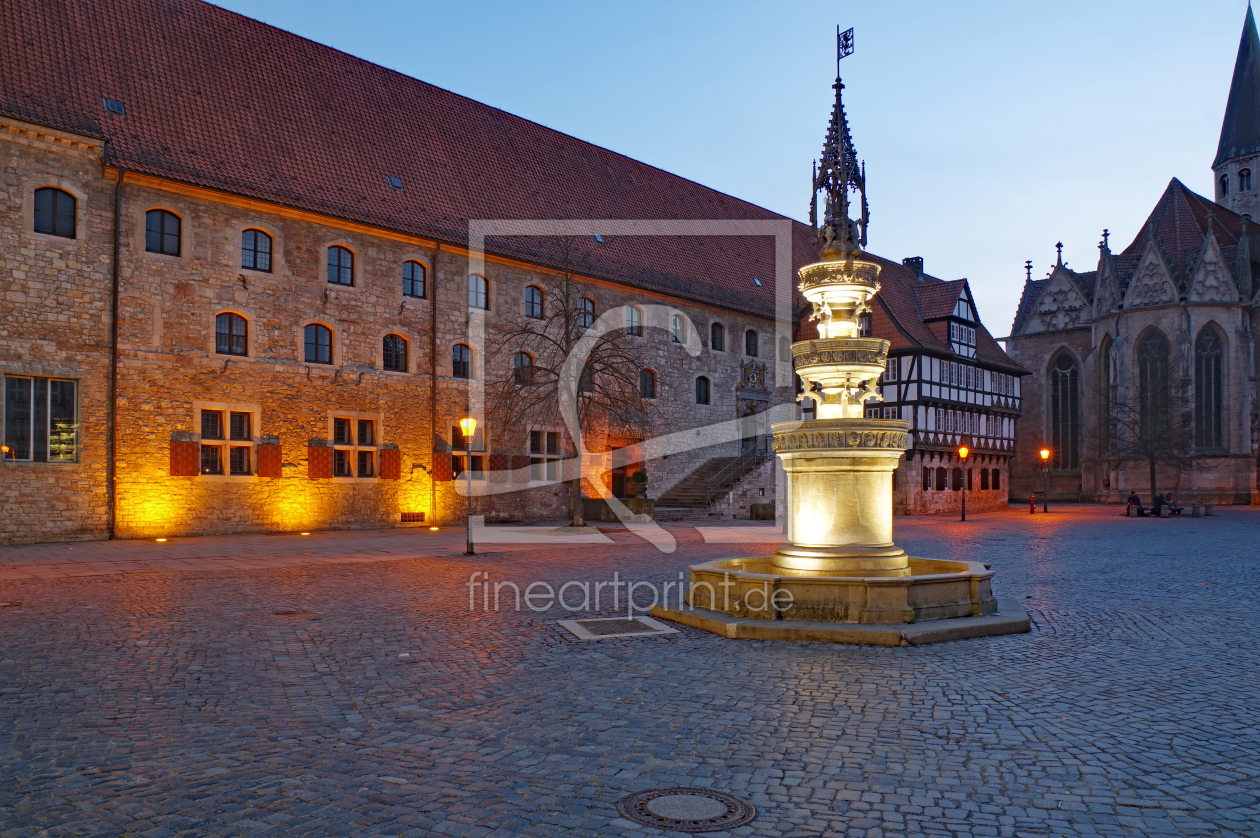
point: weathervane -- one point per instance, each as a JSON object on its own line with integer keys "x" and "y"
{"x": 836, "y": 174}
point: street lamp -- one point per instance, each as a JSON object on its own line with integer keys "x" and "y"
{"x": 1045, "y": 479}
{"x": 468, "y": 427}
{"x": 963, "y": 451}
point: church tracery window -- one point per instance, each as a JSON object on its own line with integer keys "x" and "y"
{"x": 1065, "y": 412}
{"x": 1208, "y": 390}
{"x": 1153, "y": 390}
{"x": 1244, "y": 180}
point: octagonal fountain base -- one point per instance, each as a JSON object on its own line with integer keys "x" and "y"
{"x": 938, "y": 600}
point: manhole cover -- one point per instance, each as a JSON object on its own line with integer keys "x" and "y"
{"x": 686, "y": 809}
{"x": 603, "y": 628}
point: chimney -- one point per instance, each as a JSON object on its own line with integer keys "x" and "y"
{"x": 914, "y": 263}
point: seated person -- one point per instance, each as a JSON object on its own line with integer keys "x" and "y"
{"x": 1136, "y": 501}
{"x": 1157, "y": 505}
{"x": 1173, "y": 508}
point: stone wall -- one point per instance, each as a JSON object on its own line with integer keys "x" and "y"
{"x": 911, "y": 498}
{"x": 169, "y": 371}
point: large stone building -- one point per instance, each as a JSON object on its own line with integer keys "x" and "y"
{"x": 248, "y": 295}
{"x": 1144, "y": 369}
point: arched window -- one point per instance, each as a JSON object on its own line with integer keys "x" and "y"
{"x": 231, "y": 334}
{"x": 394, "y": 353}
{"x": 340, "y": 266}
{"x": 647, "y": 384}
{"x": 678, "y": 329}
{"x": 161, "y": 232}
{"x": 523, "y": 368}
{"x": 702, "y": 390}
{"x": 1153, "y": 391}
{"x": 461, "y": 361}
{"x": 54, "y": 212}
{"x": 750, "y": 343}
{"x": 717, "y": 338}
{"x": 414, "y": 276}
{"x": 1224, "y": 185}
{"x": 256, "y": 250}
{"x": 478, "y": 292}
{"x": 534, "y": 302}
{"x": 318, "y": 344}
{"x": 634, "y": 321}
{"x": 1065, "y": 413}
{"x": 1209, "y": 402}
{"x": 586, "y": 313}
{"x": 1244, "y": 180}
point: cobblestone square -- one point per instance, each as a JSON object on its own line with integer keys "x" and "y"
{"x": 339, "y": 684}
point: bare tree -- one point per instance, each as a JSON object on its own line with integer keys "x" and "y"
{"x": 1151, "y": 420}
{"x": 540, "y": 368}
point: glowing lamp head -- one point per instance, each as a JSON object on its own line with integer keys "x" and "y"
{"x": 963, "y": 452}
{"x": 1045, "y": 454}
{"x": 433, "y": 528}
{"x": 468, "y": 426}
{"x": 4, "y": 449}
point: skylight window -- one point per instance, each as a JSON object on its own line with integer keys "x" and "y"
{"x": 395, "y": 182}
{"x": 115, "y": 107}
{"x": 756, "y": 282}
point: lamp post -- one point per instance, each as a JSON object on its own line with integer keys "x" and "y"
{"x": 1045, "y": 479}
{"x": 962, "y": 455}
{"x": 468, "y": 427}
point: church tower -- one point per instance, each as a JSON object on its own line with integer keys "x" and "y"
{"x": 1237, "y": 164}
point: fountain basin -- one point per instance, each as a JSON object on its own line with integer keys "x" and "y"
{"x": 754, "y": 588}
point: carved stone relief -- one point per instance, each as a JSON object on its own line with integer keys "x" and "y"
{"x": 1060, "y": 306}
{"x": 1212, "y": 284}
{"x": 1150, "y": 286}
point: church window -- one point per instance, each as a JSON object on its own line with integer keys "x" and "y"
{"x": 1065, "y": 408}
{"x": 414, "y": 277}
{"x": 1224, "y": 185}
{"x": 678, "y": 329}
{"x": 54, "y": 212}
{"x": 340, "y": 266}
{"x": 1208, "y": 391}
{"x": 586, "y": 313}
{"x": 634, "y": 321}
{"x": 1244, "y": 180}
{"x": 717, "y": 338}
{"x": 161, "y": 232}
{"x": 750, "y": 343}
{"x": 523, "y": 368}
{"x": 1153, "y": 392}
{"x": 256, "y": 250}
{"x": 231, "y": 334}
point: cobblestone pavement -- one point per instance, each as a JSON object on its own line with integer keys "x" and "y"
{"x": 366, "y": 699}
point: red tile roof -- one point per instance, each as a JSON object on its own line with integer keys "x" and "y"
{"x": 223, "y": 101}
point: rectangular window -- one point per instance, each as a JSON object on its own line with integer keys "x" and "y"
{"x": 544, "y": 450}
{"x": 341, "y": 432}
{"x": 41, "y": 419}
{"x": 366, "y": 432}
{"x": 212, "y": 459}
{"x": 341, "y": 463}
{"x": 241, "y": 459}
{"x": 927, "y": 479}
{"x": 366, "y": 462}
{"x": 212, "y": 424}
{"x": 240, "y": 425}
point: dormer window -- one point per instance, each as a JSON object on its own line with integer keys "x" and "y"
{"x": 962, "y": 339}
{"x": 1224, "y": 185}
{"x": 1244, "y": 180}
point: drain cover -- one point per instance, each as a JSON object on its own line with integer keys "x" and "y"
{"x": 686, "y": 809}
{"x": 603, "y": 628}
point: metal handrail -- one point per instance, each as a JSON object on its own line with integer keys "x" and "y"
{"x": 752, "y": 452}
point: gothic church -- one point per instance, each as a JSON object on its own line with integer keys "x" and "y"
{"x": 1144, "y": 369}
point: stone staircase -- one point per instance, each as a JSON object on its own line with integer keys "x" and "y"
{"x": 688, "y": 500}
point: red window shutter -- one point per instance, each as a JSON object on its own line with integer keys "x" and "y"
{"x": 319, "y": 463}
{"x": 499, "y": 465}
{"x": 185, "y": 458}
{"x": 442, "y": 470}
{"x": 391, "y": 464}
{"x": 269, "y": 464}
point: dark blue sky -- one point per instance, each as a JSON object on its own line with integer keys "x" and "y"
{"x": 990, "y": 129}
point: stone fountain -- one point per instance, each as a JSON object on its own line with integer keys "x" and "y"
{"x": 840, "y": 565}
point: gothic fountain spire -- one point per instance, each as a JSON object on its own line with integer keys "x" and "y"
{"x": 836, "y": 176}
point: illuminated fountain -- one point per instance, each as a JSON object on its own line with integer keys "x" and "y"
{"x": 840, "y": 564}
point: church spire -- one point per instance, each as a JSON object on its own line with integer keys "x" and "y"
{"x": 835, "y": 175}
{"x": 1240, "y": 131}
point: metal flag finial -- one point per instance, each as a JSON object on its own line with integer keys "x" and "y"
{"x": 844, "y": 46}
